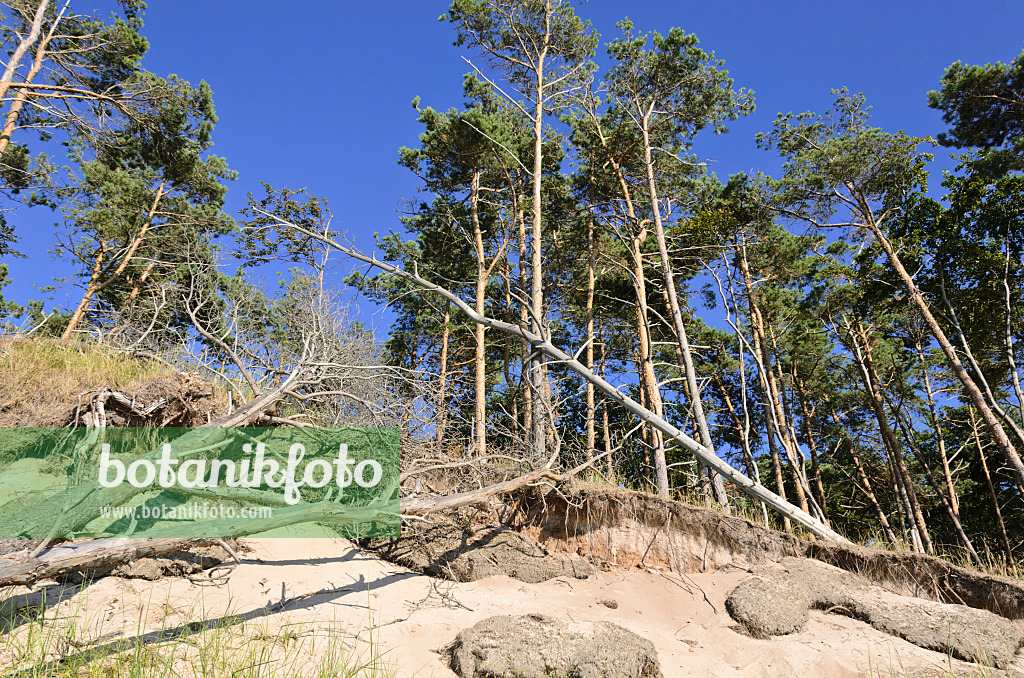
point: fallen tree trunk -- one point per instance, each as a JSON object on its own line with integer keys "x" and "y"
{"x": 540, "y": 343}
{"x": 23, "y": 569}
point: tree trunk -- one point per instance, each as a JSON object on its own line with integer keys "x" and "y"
{"x": 591, "y": 407}
{"x": 947, "y": 475}
{"x": 819, "y": 486}
{"x": 90, "y": 289}
{"x": 540, "y": 408}
{"x": 953, "y": 515}
{"x": 480, "y": 352}
{"x": 677, "y": 318}
{"x": 645, "y": 365}
{"x": 605, "y": 428}
{"x": 442, "y": 380}
{"x": 760, "y": 352}
{"x": 21, "y": 96}
{"x": 94, "y": 284}
{"x": 23, "y": 46}
{"x": 866, "y": 365}
{"x": 524, "y": 321}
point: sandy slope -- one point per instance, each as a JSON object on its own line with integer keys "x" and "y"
{"x": 319, "y": 583}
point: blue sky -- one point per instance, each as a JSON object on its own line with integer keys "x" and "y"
{"x": 317, "y": 94}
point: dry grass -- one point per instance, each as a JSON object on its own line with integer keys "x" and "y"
{"x": 41, "y": 381}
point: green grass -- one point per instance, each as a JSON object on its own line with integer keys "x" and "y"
{"x": 64, "y": 641}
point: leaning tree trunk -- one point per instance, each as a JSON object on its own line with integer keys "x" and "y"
{"x": 693, "y": 391}
{"x": 992, "y": 423}
{"x": 865, "y": 364}
{"x": 544, "y": 345}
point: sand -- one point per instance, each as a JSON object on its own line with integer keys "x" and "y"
{"x": 325, "y": 583}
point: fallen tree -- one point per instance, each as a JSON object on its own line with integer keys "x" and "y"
{"x": 25, "y": 568}
{"x": 544, "y": 345}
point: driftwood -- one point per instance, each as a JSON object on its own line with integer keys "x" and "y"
{"x": 543, "y": 344}
{"x": 23, "y": 568}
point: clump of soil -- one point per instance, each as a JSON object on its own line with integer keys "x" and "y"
{"x": 537, "y": 645}
{"x": 776, "y": 601}
{"x": 449, "y": 551}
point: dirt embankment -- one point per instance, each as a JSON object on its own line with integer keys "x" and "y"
{"x": 621, "y": 529}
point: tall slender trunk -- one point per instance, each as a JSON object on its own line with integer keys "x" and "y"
{"x": 605, "y": 428}
{"x": 866, "y": 365}
{"x": 693, "y": 391}
{"x": 648, "y": 381}
{"x": 645, "y": 366}
{"x": 1008, "y": 334}
{"x": 768, "y": 400}
{"x": 591, "y": 411}
{"x": 511, "y": 384}
{"x": 783, "y": 419}
{"x": 480, "y": 352}
{"x": 524, "y": 321}
{"x": 818, "y": 487}
{"x": 947, "y": 474}
{"x": 540, "y": 407}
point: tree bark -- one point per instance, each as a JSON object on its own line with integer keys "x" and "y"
{"x": 819, "y": 486}
{"x": 480, "y": 352}
{"x": 540, "y": 408}
{"x": 23, "y": 46}
{"x": 591, "y": 283}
